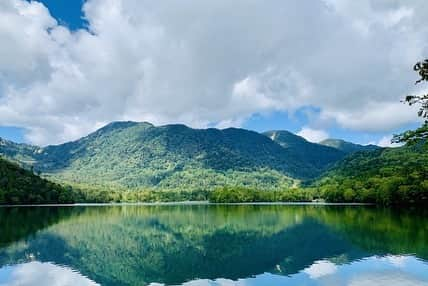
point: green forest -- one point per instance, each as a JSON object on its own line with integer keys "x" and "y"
{"x": 393, "y": 176}
{"x": 385, "y": 176}
{"x": 389, "y": 176}
{"x": 20, "y": 186}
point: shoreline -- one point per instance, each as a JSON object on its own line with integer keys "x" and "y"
{"x": 189, "y": 203}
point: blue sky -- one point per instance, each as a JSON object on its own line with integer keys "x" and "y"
{"x": 12, "y": 133}
{"x": 260, "y": 68}
{"x": 68, "y": 13}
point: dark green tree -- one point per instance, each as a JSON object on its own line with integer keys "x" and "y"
{"x": 413, "y": 136}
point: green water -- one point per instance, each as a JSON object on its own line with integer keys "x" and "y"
{"x": 213, "y": 245}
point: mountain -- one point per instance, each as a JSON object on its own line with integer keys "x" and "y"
{"x": 191, "y": 162}
{"x": 20, "y": 186}
{"x": 141, "y": 155}
{"x": 317, "y": 155}
{"x": 23, "y": 154}
{"x": 347, "y": 147}
{"x": 384, "y": 176}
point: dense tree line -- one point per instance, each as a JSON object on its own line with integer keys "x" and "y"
{"x": 389, "y": 176}
{"x": 385, "y": 176}
{"x": 91, "y": 194}
{"x": 246, "y": 195}
{"x": 20, "y": 186}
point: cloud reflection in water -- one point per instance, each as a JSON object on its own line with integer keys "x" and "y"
{"x": 392, "y": 270}
{"x": 38, "y": 273}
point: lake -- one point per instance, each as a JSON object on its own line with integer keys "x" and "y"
{"x": 213, "y": 245}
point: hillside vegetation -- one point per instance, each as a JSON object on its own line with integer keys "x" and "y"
{"x": 316, "y": 155}
{"x": 384, "y": 176}
{"x": 134, "y": 155}
{"x": 19, "y": 186}
{"x": 129, "y": 162}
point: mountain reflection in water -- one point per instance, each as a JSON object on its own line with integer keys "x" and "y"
{"x": 213, "y": 245}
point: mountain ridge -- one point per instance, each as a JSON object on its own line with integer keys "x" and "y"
{"x": 131, "y": 155}
{"x": 347, "y": 147}
{"x": 139, "y": 154}
{"x": 318, "y": 155}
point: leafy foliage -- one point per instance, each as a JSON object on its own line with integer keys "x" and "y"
{"x": 420, "y": 134}
{"x": 413, "y": 136}
{"x": 422, "y": 69}
{"x": 245, "y": 195}
{"x": 385, "y": 176}
{"x": 19, "y": 186}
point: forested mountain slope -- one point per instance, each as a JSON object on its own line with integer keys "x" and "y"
{"x": 385, "y": 176}
{"x": 316, "y": 155}
{"x": 23, "y": 154}
{"x": 130, "y": 155}
{"x": 133, "y": 155}
{"x": 20, "y": 186}
{"x": 138, "y": 155}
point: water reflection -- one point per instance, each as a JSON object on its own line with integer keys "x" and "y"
{"x": 370, "y": 271}
{"x": 215, "y": 245}
{"x": 37, "y": 273}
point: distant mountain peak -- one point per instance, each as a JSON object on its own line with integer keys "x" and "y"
{"x": 118, "y": 125}
{"x": 347, "y": 147}
{"x": 317, "y": 155}
{"x": 124, "y": 124}
{"x": 275, "y": 134}
{"x": 284, "y": 137}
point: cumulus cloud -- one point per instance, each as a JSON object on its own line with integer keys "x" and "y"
{"x": 320, "y": 269}
{"x": 38, "y": 273}
{"x": 208, "y": 63}
{"x": 399, "y": 261}
{"x": 386, "y": 141}
{"x": 373, "y": 116}
{"x": 392, "y": 278}
{"x": 313, "y": 135}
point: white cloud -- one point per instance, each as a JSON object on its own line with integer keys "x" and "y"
{"x": 386, "y": 141}
{"x": 392, "y": 278}
{"x": 399, "y": 261}
{"x": 313, "y": 135}
{"x": 373, "y": 116}
{"x": 320, "y": 268}
{"x": 37, "y": 273}
{"x": 206, "y": 63}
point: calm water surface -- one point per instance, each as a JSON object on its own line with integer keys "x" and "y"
{"x": 213, "y": 245}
